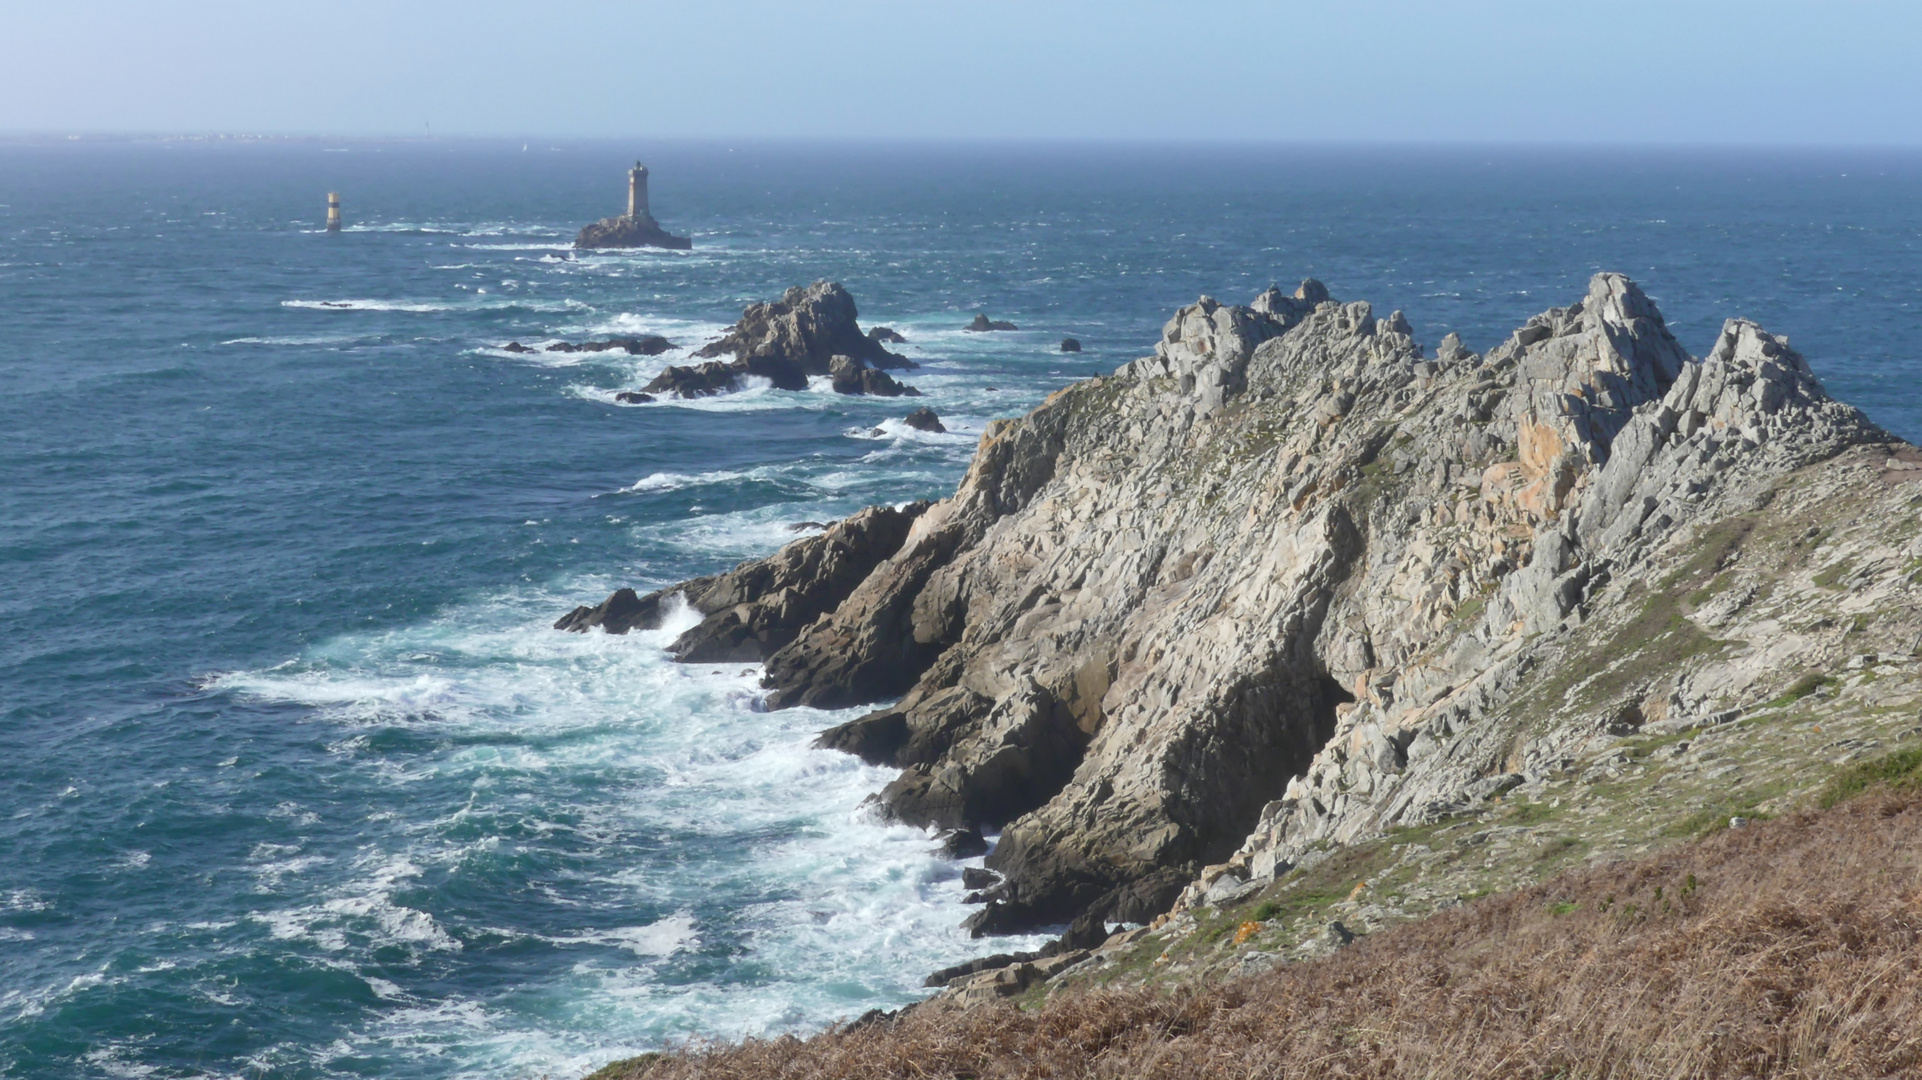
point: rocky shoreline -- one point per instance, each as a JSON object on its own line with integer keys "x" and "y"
{"x": 1293, "y": 582}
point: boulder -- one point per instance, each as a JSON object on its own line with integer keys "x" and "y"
{"x": 1069, "y": 344}
{"x": 623, "y": 231}
{"x": 963, "y": 844}
{"x": 698, "y": 380}
{"x": 975, "y": 877}
{"x": 887, "y": 335}
{"x": 851, "y": 376}
{"x": 630, "y": 397}
{"x": 924, "y": 419}
{"x": 983, "y": 324}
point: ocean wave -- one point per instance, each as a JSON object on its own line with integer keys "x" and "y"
{"x": 430, "y": 306}
{"x": 369, "y": 305}
{"x": 311, "y": 339}
{"x": 666, "y": 481}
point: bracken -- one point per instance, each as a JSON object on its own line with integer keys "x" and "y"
{"x": 1788, "y": 948}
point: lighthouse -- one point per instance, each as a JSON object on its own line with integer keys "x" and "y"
{"x": 634, "y": 229}
{"x": 333, "y": 211}
{"x": 637, "y": 192}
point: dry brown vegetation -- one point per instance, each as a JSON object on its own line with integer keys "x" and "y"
{"x": 1789, "y": 948}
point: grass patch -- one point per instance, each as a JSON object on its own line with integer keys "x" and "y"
{"x": 1829, "y": 578}
{"x": 1800, "y": 688}
{"x": 1715, "y": 817}
{"x": 1901, "y": 770}
{"x": 1707, "y": 592}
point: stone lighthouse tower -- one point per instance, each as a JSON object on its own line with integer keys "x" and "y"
{"x": 637, "y": 227}
{"x": 637, "y": 193}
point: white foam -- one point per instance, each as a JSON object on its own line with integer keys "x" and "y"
{"x": 366, "y": 305}
{"x": 431, "y": 306}
{"x": 312, "y": 339}
{"x": 667, "y": 481}
{"x": 662, "y": 938}
{"x": 775, "y": 855}
{"x": 961, "y": 432}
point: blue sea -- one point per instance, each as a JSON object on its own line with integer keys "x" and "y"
{"x": 296, "y": 781}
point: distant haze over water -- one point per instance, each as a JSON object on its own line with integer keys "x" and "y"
{"x": 294, "y": 778}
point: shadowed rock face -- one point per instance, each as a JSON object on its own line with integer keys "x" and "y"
{"x": 1276, "y": 585}
{"x": 787, "y": 340}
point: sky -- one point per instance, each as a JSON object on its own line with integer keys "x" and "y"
{"x": 1636, "y": 71}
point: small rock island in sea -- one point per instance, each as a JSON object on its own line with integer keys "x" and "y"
{"x": 637, "y": 227}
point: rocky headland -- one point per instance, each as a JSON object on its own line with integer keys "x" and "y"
{"x": 808, "y": 331}
{"x": 1295, "y": 603}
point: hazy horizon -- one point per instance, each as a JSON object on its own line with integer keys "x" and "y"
{"x": 1498, "y": 72}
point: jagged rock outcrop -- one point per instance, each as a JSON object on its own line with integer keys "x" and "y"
{"x": 787, "y": 340}
{"x": 760, "y": 605}
{"x": 887, "y": 335}
{"x": 630, "y": 231}
{"x": 982, "y": 324}
{"x": 1289, "y": 581}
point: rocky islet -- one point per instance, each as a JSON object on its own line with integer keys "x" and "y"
{"x": 812, "y": 331}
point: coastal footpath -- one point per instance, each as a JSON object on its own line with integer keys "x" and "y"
{"x": 1295, "y": 632}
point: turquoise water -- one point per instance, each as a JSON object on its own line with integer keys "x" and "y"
{"x": 294, "y": 778}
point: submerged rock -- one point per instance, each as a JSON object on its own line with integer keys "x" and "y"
{"x": 630, "y": 397}
{"x": 647, "y": 345}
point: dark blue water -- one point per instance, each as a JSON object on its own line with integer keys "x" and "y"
{"x": 294, "y": 780}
